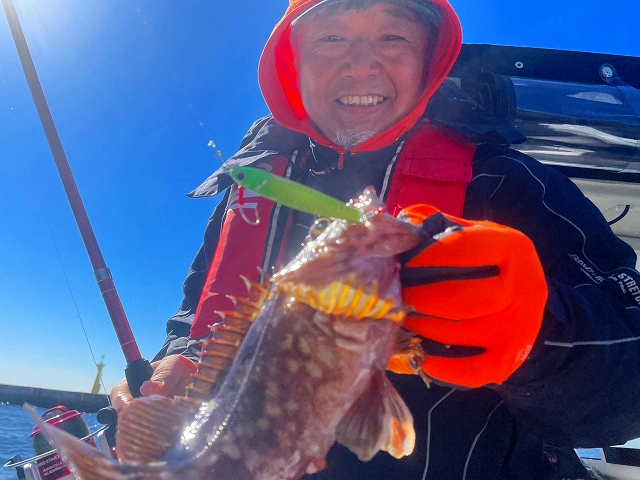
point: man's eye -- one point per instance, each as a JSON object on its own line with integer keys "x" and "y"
{"x": 392, "y": 38}
{"x": 331, "y": 38}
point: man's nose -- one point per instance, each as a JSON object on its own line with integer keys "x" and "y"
{"x": 361, "y": 61}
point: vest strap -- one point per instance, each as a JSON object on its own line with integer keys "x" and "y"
{"x": 434, "y": 168}
{"x": 236, "y": 253}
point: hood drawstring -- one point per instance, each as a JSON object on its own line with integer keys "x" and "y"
{"x": 241, "y": 195}
{"x": 323, "y": 171}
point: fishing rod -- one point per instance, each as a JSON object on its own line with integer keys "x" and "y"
{"x": 138, "y": 370}
{"x": 216, "y": 152}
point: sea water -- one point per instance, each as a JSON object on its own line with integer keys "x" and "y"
{"x": 15, "y": 428}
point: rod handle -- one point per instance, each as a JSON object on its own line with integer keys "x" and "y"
{"x": 137, "y": 372}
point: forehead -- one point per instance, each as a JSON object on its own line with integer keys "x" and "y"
{"x": 326, "y": 13}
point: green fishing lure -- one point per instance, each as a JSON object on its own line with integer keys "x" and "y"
{"x": 293, "y": 195}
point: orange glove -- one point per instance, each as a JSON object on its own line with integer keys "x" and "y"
{"x": 472, "y": 284}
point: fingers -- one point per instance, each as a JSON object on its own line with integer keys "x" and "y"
{"x": 491, "y": 367}
{"x": 482, "y": 331}
{"x": 507, "y": 340}
{"x": 170, "y": 377}
{"x": 470, "y": 372}
{"x": 120, "y": 396}
{"x": 483, "y": 269}
{"x": 481, "y": 244}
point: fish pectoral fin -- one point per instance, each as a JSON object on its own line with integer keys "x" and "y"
{"x": 362, "y": 429}
{"x": 378, "y": 420}
{"x": 150, "y": 426}
{"x": 400, "y": 438}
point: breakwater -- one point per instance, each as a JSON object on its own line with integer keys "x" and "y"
{"x": 45, "y": 398}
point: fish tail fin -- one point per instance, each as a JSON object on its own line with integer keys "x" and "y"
{"x": 85, "y": 461}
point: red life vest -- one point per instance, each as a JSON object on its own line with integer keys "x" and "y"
{"x": 433, "y": 167}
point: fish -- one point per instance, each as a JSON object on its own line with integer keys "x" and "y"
{"x": 302, "y": 366}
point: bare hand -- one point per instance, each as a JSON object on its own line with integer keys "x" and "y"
{"x": 171, "y": 375}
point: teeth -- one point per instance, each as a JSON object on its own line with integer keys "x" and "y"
{"x": 362, "y": 100}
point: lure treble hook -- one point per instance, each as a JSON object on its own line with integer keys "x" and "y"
{"x": 242, "y": 208}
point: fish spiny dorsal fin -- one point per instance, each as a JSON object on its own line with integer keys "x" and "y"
{"x": 265, "y": 278}
{"x": 220, "y": 350}
{"x": 247, "y": 308}
{"x": 247, "y": 282}
{"x": 257, "y": 292}
{"x": 263, "y": 283}
{"x": 377, "y": 420}
{"x": 216, "y": 356}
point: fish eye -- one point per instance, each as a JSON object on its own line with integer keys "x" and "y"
{"x": 319, "y": 226}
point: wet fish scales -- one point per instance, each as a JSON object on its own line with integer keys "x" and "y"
{"x": 302, "y": 378}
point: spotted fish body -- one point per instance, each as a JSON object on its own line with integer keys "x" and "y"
{"x": 310, "y": 371}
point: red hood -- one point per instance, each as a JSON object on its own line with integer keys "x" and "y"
{"x": 279, "y": 84}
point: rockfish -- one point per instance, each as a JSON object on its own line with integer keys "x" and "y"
{"x": 310, "y": 371}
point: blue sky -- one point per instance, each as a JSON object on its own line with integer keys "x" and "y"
{"x": 137, "y": 89}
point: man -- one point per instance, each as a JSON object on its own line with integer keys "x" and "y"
{"x": 529, "y": 346}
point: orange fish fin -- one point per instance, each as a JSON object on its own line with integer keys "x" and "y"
{"x": 377, "y": 420}
{"x": 400, "y": 438}
{"x": 86, "y": 461}
{"x": 150, "y": 426}
{"x": 408, "y": 355}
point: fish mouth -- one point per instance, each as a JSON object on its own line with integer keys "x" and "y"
{"x": 347, "y": 299}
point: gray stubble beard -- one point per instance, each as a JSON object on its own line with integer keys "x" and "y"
{"x": 350, "y": 137}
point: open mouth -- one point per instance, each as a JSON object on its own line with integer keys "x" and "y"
{"x": 364, "y": 100}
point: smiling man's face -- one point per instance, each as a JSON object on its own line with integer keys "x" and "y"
{"x": 360, "y": 71}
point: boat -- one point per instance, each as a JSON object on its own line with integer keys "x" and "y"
{"x": 615, "y": 463}
{"x": 580, "y": 114}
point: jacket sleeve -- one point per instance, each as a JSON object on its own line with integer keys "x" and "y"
{"x": 581, "y": 384}
{"x": 179, "y": 325}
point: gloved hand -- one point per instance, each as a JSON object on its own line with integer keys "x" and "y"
{"x": 472, "y": 284}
